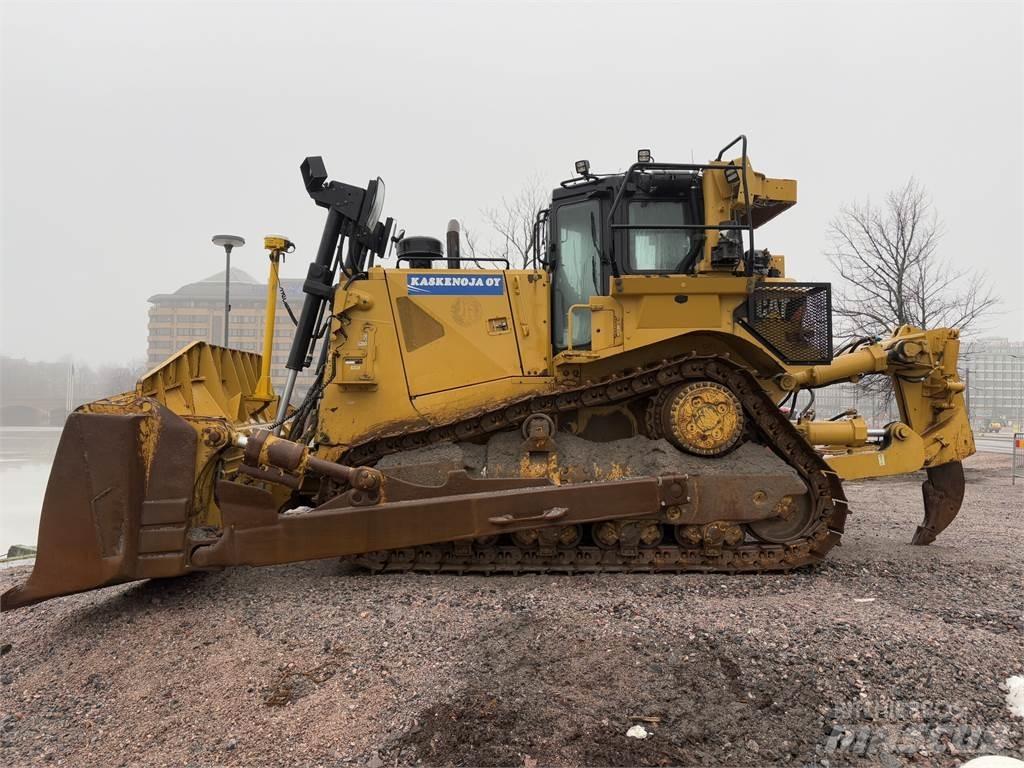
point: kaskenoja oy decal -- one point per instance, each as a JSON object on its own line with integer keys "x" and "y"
{"x": 455, "y": 285}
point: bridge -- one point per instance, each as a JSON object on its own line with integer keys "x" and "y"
{"x": 33, "y": 411}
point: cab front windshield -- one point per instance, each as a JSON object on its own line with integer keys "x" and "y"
{"x": 660, "y": 250}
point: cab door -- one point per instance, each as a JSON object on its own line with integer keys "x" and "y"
{"x": 576, "y": 269}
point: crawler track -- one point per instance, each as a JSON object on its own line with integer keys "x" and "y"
{"x": 769, "y": 425}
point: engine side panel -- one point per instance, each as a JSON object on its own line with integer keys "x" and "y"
{"x": 419, "y": 347}
{"x": 455, "y": 327}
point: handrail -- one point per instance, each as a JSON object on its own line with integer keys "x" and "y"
{"x": 539, "y": 221}
{"x": 568, "y": 323}
{"x": 748, "y": 266}
{"x": 400, "y": 259}
{"x": 591, "y": 308}
{"x": 742, "y": 137}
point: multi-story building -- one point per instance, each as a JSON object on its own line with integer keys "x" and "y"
{"x": 195, "y": 312}
{"x": 994, "y": 371}
{"x": 871, "y": 399}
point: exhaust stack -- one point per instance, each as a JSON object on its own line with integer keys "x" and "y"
{"x": 453, "y": 245}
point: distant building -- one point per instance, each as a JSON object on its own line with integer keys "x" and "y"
{"x": 874, "y": 405}
{"x": 991, "y": 368}
{"x": 994, "y": 368}
{"x": 195, "y": 312}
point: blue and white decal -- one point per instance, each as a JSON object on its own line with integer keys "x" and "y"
{"x": 426, "y": 284}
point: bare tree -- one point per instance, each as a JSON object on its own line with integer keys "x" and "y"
{"x": 892, "y": 272}
{"x": 470, "y": 249}
{"x": 513, "y": 224}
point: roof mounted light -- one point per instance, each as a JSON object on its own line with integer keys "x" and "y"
{"x": 583, "y": 167}
{"x": 644, "y": 156}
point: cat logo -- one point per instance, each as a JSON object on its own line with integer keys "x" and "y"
{"x": 466, "y": 311}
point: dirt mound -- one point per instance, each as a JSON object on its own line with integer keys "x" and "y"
{"x": 577, "y": 459}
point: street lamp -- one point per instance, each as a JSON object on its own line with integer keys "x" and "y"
{"x": 227, "y": 242}
{"x": 1018, "y": 397}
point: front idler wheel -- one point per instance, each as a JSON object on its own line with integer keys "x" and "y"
{"x": 793, "y": 516}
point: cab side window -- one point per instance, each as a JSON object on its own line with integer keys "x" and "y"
{"x": 660, "y": 250}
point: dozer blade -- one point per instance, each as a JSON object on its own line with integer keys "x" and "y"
{"x": 943, "y": 494}
{"x": 116, "y": 504}
{"x": 120, "y": 496}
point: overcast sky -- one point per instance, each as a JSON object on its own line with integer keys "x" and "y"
{"x": 133, "y": 131}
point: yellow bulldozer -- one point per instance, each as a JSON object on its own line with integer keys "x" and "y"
{"x": 637, "y": 398}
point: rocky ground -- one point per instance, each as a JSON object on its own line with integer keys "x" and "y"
{"x": 887, "y": 654}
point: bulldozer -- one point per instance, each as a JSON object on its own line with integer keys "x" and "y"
{"x": 637, "y": 397}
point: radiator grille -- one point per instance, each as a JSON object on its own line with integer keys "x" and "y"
{"x": 794, "y": 320}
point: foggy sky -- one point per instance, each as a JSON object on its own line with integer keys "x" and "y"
{"x": 132, "y": 132}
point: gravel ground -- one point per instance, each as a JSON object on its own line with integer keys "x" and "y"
{"x": 887, "y": 654}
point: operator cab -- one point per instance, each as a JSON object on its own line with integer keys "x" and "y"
{"x": 651, "y": 225}
{"x": 651, "y": 221}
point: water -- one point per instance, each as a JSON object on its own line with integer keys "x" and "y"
{"x": 26, "y": 454}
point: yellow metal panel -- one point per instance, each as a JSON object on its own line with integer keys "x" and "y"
{"x": 654, "y": 310}
{"x": 364, "y": 329}
{"x": 357, "y": 366}
{"x": 477, "y": 344}
{"x": 443, "y": 407}
{"x": 897, "y": 458}
{"x": 352, "y": 411}
{"x": 604, "y": 326}
{"x": 648, "y": 285}
{"x": 205, "y": 380}
{"x": 699, "y": 311}
{"x": 530, "y": 297}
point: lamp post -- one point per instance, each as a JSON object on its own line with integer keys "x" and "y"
{"x": 967, "y": 393}
{"x": 227, "y": 242}
{"x": 1018, "y": 396}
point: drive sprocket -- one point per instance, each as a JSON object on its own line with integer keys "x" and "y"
{"x": 703, "y": 418}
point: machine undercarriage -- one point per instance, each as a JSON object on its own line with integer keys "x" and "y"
{"x": 768, "y": 502}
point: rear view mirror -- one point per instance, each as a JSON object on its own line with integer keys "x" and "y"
{"x": 373, "y": 204}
